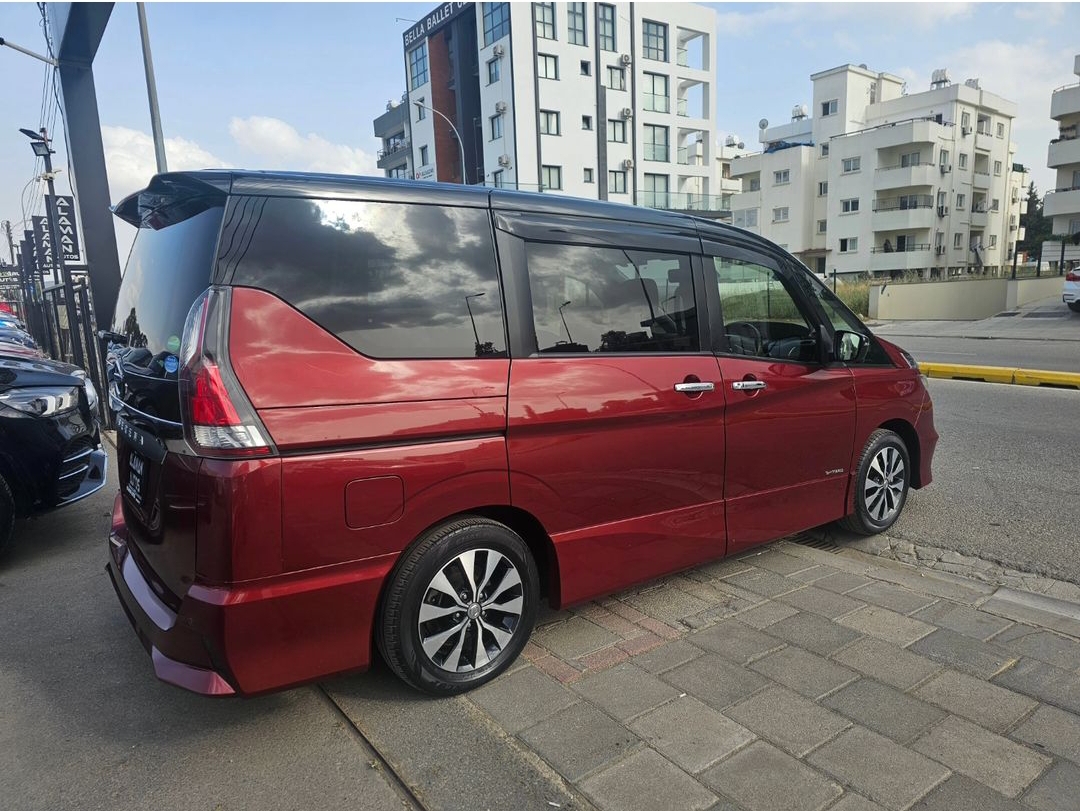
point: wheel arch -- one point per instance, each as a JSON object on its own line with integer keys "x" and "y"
{"x": 906, "y": 431}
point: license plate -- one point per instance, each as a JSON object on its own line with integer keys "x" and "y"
{"x": 136, "y": 482}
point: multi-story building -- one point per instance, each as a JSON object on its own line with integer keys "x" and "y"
{"x": 595, "y": 100}
{"x": 882, "y": 181}
{"x": 1063, "y": 204}
{"x": 392, "y": 127}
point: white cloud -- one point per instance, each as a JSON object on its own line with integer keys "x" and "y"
{"x": 279, "y": 145}
{"x": 129, "y": 158}
{"x": 1042, "y": 13}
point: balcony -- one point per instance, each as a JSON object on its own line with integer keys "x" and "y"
{"x": 687, "y": 201}
{"x": 1061, "y": 203}
{"x": 1063, "y": 152}
{"x": 980, "y": 180}
{"x": 902, "y": 213}
{"x": 1065, "y": 101}
{"x": 905, "y": 133}
{"x": 984, "y": 140}
{"x": 393, "y": 154}
{"x": 978, "y": 218}
{"x": 900, "y": 177}
{"x": 915, "y": 255}
{"x": 690, "y": 156}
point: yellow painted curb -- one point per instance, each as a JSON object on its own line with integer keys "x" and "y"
{"x": 1035, "y": 377}
{"x": 1001, "y": 374}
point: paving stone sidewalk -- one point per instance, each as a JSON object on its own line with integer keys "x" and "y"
{"x": 796, "y": 678}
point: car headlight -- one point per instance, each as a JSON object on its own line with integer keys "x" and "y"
{"x": 40, "y": 401}
{"x": 91, "y": 392}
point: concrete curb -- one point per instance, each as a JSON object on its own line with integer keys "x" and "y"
{"x": 1002, "y": 374}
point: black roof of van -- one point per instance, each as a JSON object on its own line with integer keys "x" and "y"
{"x": 176, "y": 185}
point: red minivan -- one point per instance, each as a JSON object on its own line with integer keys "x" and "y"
{"x": 356, "y": 412}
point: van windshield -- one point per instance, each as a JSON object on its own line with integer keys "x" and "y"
{"x": 165, "y": 273}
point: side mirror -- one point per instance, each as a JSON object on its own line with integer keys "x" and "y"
{"x": 850, "y": 347}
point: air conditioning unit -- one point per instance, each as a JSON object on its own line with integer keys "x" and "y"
{"x": 965, "y": 131}
{"x": 500, "y": 106}
{"x": 627, "y": 112}
{"x": 498, "y": 50}
{"x": 946, "y": 168}
{"x": 504, "y": 160}
{"x": 940, "y": 250}
{"x": 942, "y": 211}
{"x": 628, "y": 163}
{"x": 625, "y": 59}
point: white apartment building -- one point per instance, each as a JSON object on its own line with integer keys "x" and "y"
{"x": 392, "y": 127}
{"x": 882, "y": 181}
{"x": 1063, "y": 204}
{"x": 595, "y": 100}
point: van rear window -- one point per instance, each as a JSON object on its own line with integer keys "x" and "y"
{"x": 166, "y": 271}
{"x": 392, "y": 280}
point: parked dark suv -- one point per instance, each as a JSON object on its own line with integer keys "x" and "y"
{"x": 50, "y": 451}
{"x": 358, "y": 413}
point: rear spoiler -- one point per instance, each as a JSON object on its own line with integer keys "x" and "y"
{"x": 174, "y": 197}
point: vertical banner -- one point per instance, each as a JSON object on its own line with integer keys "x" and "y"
{"x": 43, "y": 245}
{"x": 65, "y": 221}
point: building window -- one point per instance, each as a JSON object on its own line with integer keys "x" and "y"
{"x": 547, "y": 66}
{"x": 550, "y": 177}
{"x": 965, "y": 123}
{"x": 418, "y": 71}
{"x": 822, "y": 188}
{"x": 957, "y": 241}
{"x": 781, "y": 177}
{"x": 851, "y": 164}
{"x": 781, "y": 214}
{"x": 496, "y": 126}
{"x": 605, "y": 27}
{"x": 656, "y": 143}
{"x": 963, "y": 160}
{"x": 549, "y": 123}
{"x": 1000, "y": 130}
{"x": 544, "y": 15}
{"x": 421, "y": 111}
{"x": 960, "y": 200}
{"x": 993, "y": 241}
{"x": 744, "y": 218}
{"x": 997, "y": 167}
{"x": 656, "y": 191}
{"x": 497, "y": 179}
{"x": 943, "y": 157}
{"x": 616, "y": 182}
{"x": 755, "y": 184}
{"x": 995, "y": 204}
{"x": 575, "y": 23}
{"x": 423, "y": 156}
{"x": 616, "y": 131}
{"x": 910, "y": 159}
{"x": 824, "y": 150}
{"x": 616, "y": 78}
{"x": 398, "y": 172}
{"x": 588, "y": 175}
{"x": 849, "y": 206}
{"x": 849, "y": 245}
{"x": 655, "y": 41}
{"x": 655, "y": 88}
{"x": 496, "y": 21}
{"x": 822, "y": 226}
{"x": 829, "y": 107}
{"x": 586, "y": 67}
{"x": 493, "y": 70}
{"x": 586, "y": 122}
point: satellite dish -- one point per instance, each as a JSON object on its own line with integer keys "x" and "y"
{"x": 763, "y": 124}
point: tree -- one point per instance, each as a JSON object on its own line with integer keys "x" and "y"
{"x": 1037, "y": 227}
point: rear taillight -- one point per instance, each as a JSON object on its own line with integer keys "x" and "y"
{"x": 218, "y": 419}
{"x": 1073, "y": 276}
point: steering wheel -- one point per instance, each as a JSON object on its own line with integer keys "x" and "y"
{"x": 744, "y": 329}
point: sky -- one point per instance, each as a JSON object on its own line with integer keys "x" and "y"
{"x": 297, "y": 86}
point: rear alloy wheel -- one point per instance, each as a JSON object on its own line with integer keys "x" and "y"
{"x": 460, "y": 607}
{"x": 882, "y": 481}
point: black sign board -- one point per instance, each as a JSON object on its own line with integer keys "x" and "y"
{"x": 65, "y": 221}
{"x": 432, "y": 22}
{"x": 42, "y": 244}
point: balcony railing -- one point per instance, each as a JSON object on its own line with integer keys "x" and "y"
{"x": 689, "y": 156}
{"x": 682, "y": 57}
{"x": 909, "y": 248}
{"x": 904, "y": 203}
{"x": 686, "y": 201}
{"x": 393, "y": 148}
{"x": 657, "y": 152}
{"x": 656, "y": 103}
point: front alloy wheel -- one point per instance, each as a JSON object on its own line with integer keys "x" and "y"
{"x": 882, "y": 481}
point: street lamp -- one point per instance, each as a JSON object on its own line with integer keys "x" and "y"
{"x": 461, "y": 144}
{"x": 563, "y": 317}
{"x": 40, "y": 143}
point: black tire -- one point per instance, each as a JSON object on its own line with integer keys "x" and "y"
{"x": 1074, "y": 306}
{"x": 457, "y": 663}
{"x": 881, "y": 489}
{"x": 7, "y": 514}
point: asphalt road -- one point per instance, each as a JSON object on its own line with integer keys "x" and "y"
{"x": 1058, "y": 356}
{"x": 1006, "y": 478}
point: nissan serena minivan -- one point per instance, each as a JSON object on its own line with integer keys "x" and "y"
{"x": 357, "y": 413}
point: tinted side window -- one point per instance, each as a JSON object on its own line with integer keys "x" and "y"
{"x": 761, "y": 317}
{"x": 589, "y": 299}
{"x": 392, "y": 280}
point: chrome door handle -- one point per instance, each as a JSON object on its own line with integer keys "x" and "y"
{"x": 748, "y": 385}
{"x": 690, "y": 388}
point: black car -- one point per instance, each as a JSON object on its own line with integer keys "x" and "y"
{"x": 50, "y": 447}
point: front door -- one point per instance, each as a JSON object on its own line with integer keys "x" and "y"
{"x": 790, "y": 420}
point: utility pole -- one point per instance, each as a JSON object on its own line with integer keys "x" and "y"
{"x": 10, "y": 242}
{"x": 151, "y": 91}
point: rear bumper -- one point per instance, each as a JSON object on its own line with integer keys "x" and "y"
{"x": 255, "y": 636}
